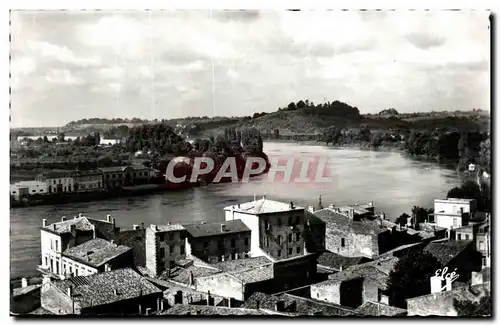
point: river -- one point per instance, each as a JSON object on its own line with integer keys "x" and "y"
{"x": 392, "y": 181}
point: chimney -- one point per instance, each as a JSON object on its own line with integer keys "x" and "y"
{"x": 351, "y": 213}
{"x": 153, "y": 227}
{"x": 148, "y": 311}
{"x": 203, "y": 222}
{"x": 311, "y": 209}
{"x": 142, "y": 225}
{"x": 264, "y": 197}
{"x": 80, "y": 215}
{"x": 108, "y": 218}
{"x": 63, "y": 218}
{"x": 107, "y": 267}
{"x": 257, "y": 304}
{"x": 44, "y": 223}
{"x": 238, "y": 205}
{"x": 340, "y": 268}
{"x": 280, "y": 305}
{"x": 93, "y": 231}
{"x": 223, "y": 228}
{"x": 114, "y": 222}
{"x": 24, "y": 282}
{"x": 208, "y": 298}
{"x": 54, "y": 226}
{"x": 291, "y": 205}
{"x": 135, "y": 227}
{"x": 191, "y": 278}
{"x": 70, "y": 291}
{"x": 75, "y": 217}
{"x": 370, "y": 204}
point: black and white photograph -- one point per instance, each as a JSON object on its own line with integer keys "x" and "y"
{"x": 280, "y": 163}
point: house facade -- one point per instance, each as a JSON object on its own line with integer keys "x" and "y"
{"x": 117, "y": 176}
{"x": 23, "y": 189}
{"x": 453, "y": 213}
{"x": 85, "y": 181}
{"x": 165, "y": 244}
{"x": 57, "y": 182}
{"x": 277, "y": 229}
{"x": 216, "y": 242}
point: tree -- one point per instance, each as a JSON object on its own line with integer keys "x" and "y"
{"x": 411, "y": 277}
{"x": 60, "y": 137}
{"x": 469, "y": 308}
{"x": 419, "y": 214}
{"x": 402, "y": 219}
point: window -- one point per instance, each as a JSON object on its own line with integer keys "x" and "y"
{"x": 220, "y": 245}
{"x": 290, "y": 238}
{"x": 246, "y": 241}
{"x": 466, "y": 237}
{"x": 290, "y": 221}
{"x": 183, "y": 250}
{"x": 297, "y": 220}
{"x": 279, "y": 239}
{"x": 298, "y": 250}
{"x": 13, "y": 192}
{"x": 459, "y": 236}
{"x": 279, "y": 222}
{"x": 485, "y": 263}
{"x": 267, "y": 241}
{"x": 54, "y": 181}
{"x": 70, "y": 270}
{"x": 57, "y": 245}
{"x": 233, "y": 256}
{"x": 297, "y": 236}
{"x": 162, "y": 252}
{"x": 481, "y": 245}
{"x": 46, "y": 261}
{"x": 171, "y": 249}
{"x": 342, "y": 242}
{"x": 233, "y": 243}
{"x": 279, "y": 253}
{"x": 290, "y": 251}
{"x": 60, "y": 181}
{"x": 162, "y": 237}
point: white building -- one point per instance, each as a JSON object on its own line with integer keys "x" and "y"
{"x": 277, "y": 229}
{"x": 28, "y": 188}
{"x": 453, "y": 212}
{"x": 57, "y": 181}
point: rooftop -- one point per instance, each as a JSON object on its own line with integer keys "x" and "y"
{"x": 183, "y": 274}
{"x": 109, "y": 169}
{"x": 255, "y": 274}
{"x": 167, "y": 227}
{"x": 336, "y": 261}
{"x": 212, "y": 229}
{"x": 108, "y": 287}
{"x": 179, "y": 309}
{"x": 82, "y": 223}
{"x": 56, "y": 174}
{"x": 447, "y": 250}
{"x": 239, "y": 264}
{"x": 454, "y": 200}
{"x": 364, "y": 226}
{"x": 263, "y": 206}
{"x": 370, "y": 308}
{"x": 95, "y": 252}
{"x": 25, "y": 290}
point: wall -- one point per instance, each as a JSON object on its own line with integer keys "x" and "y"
{"x": 326, "y": 291}
{"x": 370, "y": 291}
{"x": 215, "y": 252}
{"x": 60, "y": 184}
{"x": 293, "y": 273}
{"x": 126, "y": 307}
{"x": 222, "y": 285}
{"x": 453, "y": 207}
{"x": 154, "y": 262}
{"x": 33, "y": 187}
{"x": 72, "y": 267}
{"x": 280, "y": 227}
{"x": 135, "y": 239}
{"x": 51, "y": 256}
{"x": 252, "y": 222}
{"x": 151, "y": 252}
{"x": 355, "y": 245}
{"x": 28, "y": 302}
{"x": 56, "y": 301}
{"x": 88, "y": 182}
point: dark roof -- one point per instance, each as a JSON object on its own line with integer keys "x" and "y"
{"x": 211, "y": 229}
{"x": 296, "y": 304}
{"x": 339, "y": 221}
{"x": 179, "y": 309}
{"x": 22, "y": 291}
{"x": 255, "y": 274}
{"x": 333, "y": 260}
{"x": 110, "y": 169}
{"x": 95, "y": 252}
{"x": 370, "y": 308}
{"x": 447, "y": 250}
{"x": 168, "y": 228}
{"x": 182, "y": 275}
{"x": 108, "y": 287}
{"x": 56, "y": 174}
{"x": 239, "y": 264}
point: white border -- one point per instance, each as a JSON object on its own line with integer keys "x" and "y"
{"x": 187, "y": 4}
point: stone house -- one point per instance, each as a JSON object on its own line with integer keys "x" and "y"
{"x": 68, "y": 233}
{"x": 118, "y": 292}
{"x": 165, "y": 244}
{"x": 277, "y": 229}
{"x": 216, "y": 242}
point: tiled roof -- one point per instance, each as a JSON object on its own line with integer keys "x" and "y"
{"x": 22, "y": 291}
{"x": 182, "y": 275}
{"x": 56, "y": 174}
{"x": 95, "y": 252}
{"x": 256, "y": 274}
{"x": 212, "y": 229}
{"x": 333, "y": 260}
{"x": 111, "y": 169}
{"x": 262, "y": 206}
{"x": 168, "y": 227}
{"x": 296, "y": 304}
{"x": 238, "y": 264}
{"x": 446, "y": 251}
{"x": 179, "y": 309}
{"x": 81, "y": 223}
{"x": 108, "y": 287}
{"x": 370, "y": 308}
{"x": 403, "y": 247}
{"x": 339, "y": 221}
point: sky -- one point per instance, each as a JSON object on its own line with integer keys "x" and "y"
{"x": 70, "y": 65}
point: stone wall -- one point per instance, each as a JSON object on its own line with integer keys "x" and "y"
{"x": 354, "y": 245}
{"x": 56, "y": 301}
{"x": 135, "y": 239}
{"x": 208, "y": 248}
{"x": 222, "y": 285}
{"x": 326, "y": 291}
{"x": 151, "y": 252}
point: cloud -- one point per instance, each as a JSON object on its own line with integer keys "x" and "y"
{"x": 164, "y": 64}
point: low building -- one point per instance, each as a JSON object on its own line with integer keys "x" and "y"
{"x": 215, "y": 242}
{"x": 295, "y": 304}
{"x": 25, "y": 298}
{"x": 60, "y": 236}
{"x": 117, "y": 176}
{"x": 24, "y": 189}
{"x": 142, "y": 174}
{"x": 442, "y": 303}
{"x": 357, "y": 284}
{"x": 95, "y": 256}
{"x": 57, "y": 182}
{"x": 351, "y": 237}
{"x": 377, "y": 309}
{"x": 277, "y": 229}
{"x": 86, "y": 181}
{"x": 118, "y": 292}
{"x": 165, "y": 244}
{"x": 453, "y": 213}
